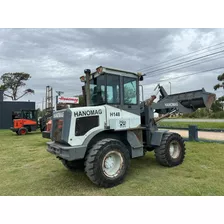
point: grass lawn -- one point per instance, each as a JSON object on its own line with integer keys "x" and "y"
{"x": 26, "y": 168}
{"x": 186, "y": 124}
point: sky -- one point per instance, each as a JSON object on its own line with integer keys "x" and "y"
{"x": 58, "y": 57}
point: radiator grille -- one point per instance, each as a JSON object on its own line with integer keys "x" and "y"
{"x": 84, "y": 124}
{"x": 57, "y": 129}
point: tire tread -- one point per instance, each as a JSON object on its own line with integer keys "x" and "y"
{"x": 161, "y": 151}
{"x": 92, "y": 158}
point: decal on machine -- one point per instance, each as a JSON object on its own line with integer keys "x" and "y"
{"x": 171, "y": 104}
{"x": 114, "y": 114}
{"x": 58, "y": 115}
{"x": 122, "y": 124}
{"x": 87, "y": 113}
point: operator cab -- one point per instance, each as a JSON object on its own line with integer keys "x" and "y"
{"x": 29, "y": 114}
{"x": 113, "y": 87}
{"x": 25, "y": 114}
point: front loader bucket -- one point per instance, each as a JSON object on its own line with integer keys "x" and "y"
{"x": 194, "y": 99}
{"x": 186, "y": 102}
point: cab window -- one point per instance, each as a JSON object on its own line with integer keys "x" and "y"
{"x": 113, "y": 89}
{"x": 130, "y": 91}
{"x": 29, "y": 115}
{"x": 97, "y": 91}
{"x": 105, "y": 89}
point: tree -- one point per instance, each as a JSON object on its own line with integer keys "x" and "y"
{"x": 216, "y": 106}
{"x": 81, "y": 100}
{"x": 13, "y": 82}
{"x": 221, "y": 100}
{"x": 220, "y": 85}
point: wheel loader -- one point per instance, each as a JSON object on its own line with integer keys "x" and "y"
{"x": 118, "y": 125}
{"x": 25, "y": 122}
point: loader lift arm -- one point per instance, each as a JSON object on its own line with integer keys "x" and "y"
{"x": 186, "y": 102}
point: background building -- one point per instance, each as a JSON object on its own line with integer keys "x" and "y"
{"x": 7, "y": 108}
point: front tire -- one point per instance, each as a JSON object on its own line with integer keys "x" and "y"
{"x": 107, "y": 162}
{"x": 171, "y": 152}
{"x": 22, "y": 131}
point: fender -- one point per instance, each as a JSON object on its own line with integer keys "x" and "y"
{"x": 157, "y": 137}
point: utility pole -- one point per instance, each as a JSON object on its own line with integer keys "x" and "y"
{"x": 49, "y": 98}
{"x": 43, "y": 104}
{"x": 59, "y": 94}
{"x": 170, "y": 87}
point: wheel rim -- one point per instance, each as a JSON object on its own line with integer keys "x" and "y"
{"x": 175, "y": 149}
{"x": 23, "y": 132}
{"x": 112, "y": 164}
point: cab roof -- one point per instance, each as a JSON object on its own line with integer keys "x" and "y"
{"x": 115, "y": 71}
{"x": 102, "y": 69}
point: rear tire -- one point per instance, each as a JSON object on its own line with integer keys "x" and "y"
{"x": 22, "y": 131}
{"x": 171, "y": 152}
{"x": 73, "y": 165}
{"x": 107, "y": 162}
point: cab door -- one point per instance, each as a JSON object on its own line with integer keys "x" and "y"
{"x": 130, "y": 95}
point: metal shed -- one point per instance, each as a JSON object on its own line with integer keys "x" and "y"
{"x": 7, "y": 107}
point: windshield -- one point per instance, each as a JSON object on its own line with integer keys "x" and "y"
{"x": 29, "y": 114}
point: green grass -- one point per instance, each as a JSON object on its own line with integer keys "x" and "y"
{"x": 26, "y": 168}
{"x": 181, "y": 124}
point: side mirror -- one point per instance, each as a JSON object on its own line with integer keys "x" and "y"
{"x": 141, "y": 77}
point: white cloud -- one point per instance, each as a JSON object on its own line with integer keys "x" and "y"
{"x": 58, "y": 57}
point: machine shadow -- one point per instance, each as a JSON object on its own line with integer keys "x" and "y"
{"x": 79, "y": 179}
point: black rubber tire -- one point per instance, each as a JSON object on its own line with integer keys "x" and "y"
{"x": 94, "y": 160}
{"x": 73, "y": 165}
{"x": 22, "y": 131}
{"x": 43, "y": 128}
{"x": 162, "y": 152}
{"x": 28, "y": 128}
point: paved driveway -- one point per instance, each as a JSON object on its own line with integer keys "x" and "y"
{"x": 203, "y": 134}
{"x": 194, "y": 120}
